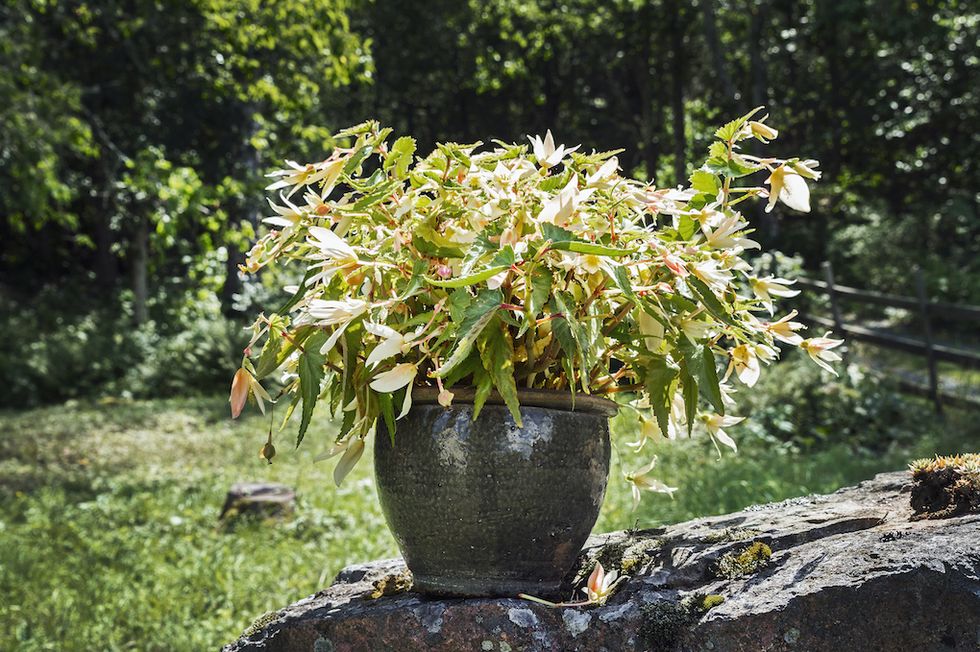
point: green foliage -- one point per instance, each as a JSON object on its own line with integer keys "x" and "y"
{"x": 97, "y": 352}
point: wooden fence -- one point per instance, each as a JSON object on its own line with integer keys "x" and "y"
{"x": 928, "y": 312}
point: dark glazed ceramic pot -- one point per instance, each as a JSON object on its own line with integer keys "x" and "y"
{"x": 484, "y": 508}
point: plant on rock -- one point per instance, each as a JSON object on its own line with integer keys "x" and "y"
{"x": 515, "y": 267}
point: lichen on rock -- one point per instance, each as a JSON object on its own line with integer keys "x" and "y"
{"x": 743, "y": 562}
{"x": 945, "y": 486}
{"x": 392, "y": 584}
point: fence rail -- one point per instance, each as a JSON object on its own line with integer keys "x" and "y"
{"x": 927, "y": 310}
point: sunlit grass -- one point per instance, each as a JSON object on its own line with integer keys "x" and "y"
{"x": 108, "y": 517}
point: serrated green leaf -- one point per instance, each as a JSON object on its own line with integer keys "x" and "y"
{"x": 310, "y": 371}
{"x": 376, "y": 196}
{"x": 711, "y": 302}
{"x": 478, "y": 314}
{"x": 400, "y": 156}
{"x": 706, "y": 182}
{"x": 463, "y": 281}
{"x": 541, "y": 280}
{"x": 686, "y": 227}
{"x": 565, "y": 240}
{"x": 660, "y": 377}
{"x": 497, "y": 352}
{"x": 356, "y": 159}
{"x": 388, "y": 413}
{"x": 700, "y": 363}
{"x": 484, "y": 385}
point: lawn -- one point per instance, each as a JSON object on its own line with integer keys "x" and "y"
{"x": 109, "y": 535}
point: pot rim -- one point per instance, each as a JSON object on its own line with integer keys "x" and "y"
{"x": 544, "y": 398}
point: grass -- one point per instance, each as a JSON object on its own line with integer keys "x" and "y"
{"x": 108, "y": 516}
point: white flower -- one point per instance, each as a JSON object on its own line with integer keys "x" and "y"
{"x": 712, "y": 274}
{"x": 818, "y": 348}
{"x": 286, "y": 216}
{"x": 333, "y": 313}
{"x": 745, "y": 362}
{"x": 788, "y": 186}
{"x": 714, "y": 424}
{"x": 331, "y": 245}
{"x": 545, "y": 151}
{"x": 640, "y": 481}
{"x": 401, "y": 375}
{"x": 559, "y": 209}
{"x": 392, "y": 343}
{"x": 784, "y": 329}
{"x": 723, "y": 235}
{"x": 297, "y": 175}
{"x": 602, "y": 177}
{"x": 695, "y": 329}
{"x": 768, "y": 287}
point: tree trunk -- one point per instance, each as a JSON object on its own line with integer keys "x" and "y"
{"x": 727, "y": 90}
{"x": 677, "y": 91}
{"x": 105, "y": 261}
{"x": 141, "y": 256}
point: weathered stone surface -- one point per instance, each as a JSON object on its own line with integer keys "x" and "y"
{"x": 847, "y": 571}
{"x": 264, "y": 499}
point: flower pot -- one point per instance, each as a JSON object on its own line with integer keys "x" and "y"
{"x": 487, "y": 508}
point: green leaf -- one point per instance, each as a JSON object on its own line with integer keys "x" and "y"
{"x": 686, "y": 227}
{"x": 565, "y": 240}
{"x": 376, "y": 196}
{"x": 689, "y": 391}
{"x": 484, "y": 385}
{"x": 497, "y": 352}
{"x": 540, "y": 279}
{"x": 356, "y": 159}
{"x": 478, "y": 315}
{"x": 730, "y": 130}
{"x": 704, "y": 181}
{"x": 310, "y": 371}
{"x": 711, "y": 302}
{"x": 388, "y": 412}
{"x": 400, "y": 156}
{"x": 622, "y": 280}
{"x": 660, "y": 378}
{"x": 700, "y": 363}
{"x": 419, "y": 268}
{"x": 463, "y": 281}
{"x": 269, "y": 358}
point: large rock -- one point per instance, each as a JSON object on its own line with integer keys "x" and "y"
{"x": 847, "y": 571}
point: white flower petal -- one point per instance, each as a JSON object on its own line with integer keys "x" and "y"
{"x": 394, "y": 379}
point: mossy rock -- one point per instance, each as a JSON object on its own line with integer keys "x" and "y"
{"x": 945, "y": 486}
{"x": 743, "y": 562}
{"x": 663, "y": 622}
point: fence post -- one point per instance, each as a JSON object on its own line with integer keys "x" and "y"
{"x": 920, "y": 290}
{"x": 828, "y": 274}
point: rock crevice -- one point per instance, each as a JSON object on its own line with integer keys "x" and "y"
{"x": 848, "y": 570}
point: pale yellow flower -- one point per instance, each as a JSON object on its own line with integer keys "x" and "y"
{"x": 788, "y": 186}
{"x": 818, "y": 348}
{"x": 769, "y": 286}
{"x": 641, "y": 481}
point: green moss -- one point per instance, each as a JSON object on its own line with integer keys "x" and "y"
{"x": 730, "y": 534}
{"x": 392, "y": 584}
{"x": 261, "y": 622}
{"x": 663, "y": 622}
{"x": 711, "y": 601}
{"x": 743, "y": 562}
{"x": 627, "y": 556}
{"x": 945, "y": 486}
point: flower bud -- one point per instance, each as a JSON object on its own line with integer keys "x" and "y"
{"x": 763, "y": 132}
{"x": 445, "y": 398}
{"x": 268, "y": 452}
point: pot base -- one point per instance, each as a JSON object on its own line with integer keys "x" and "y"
{"x": 455, "y": 587}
